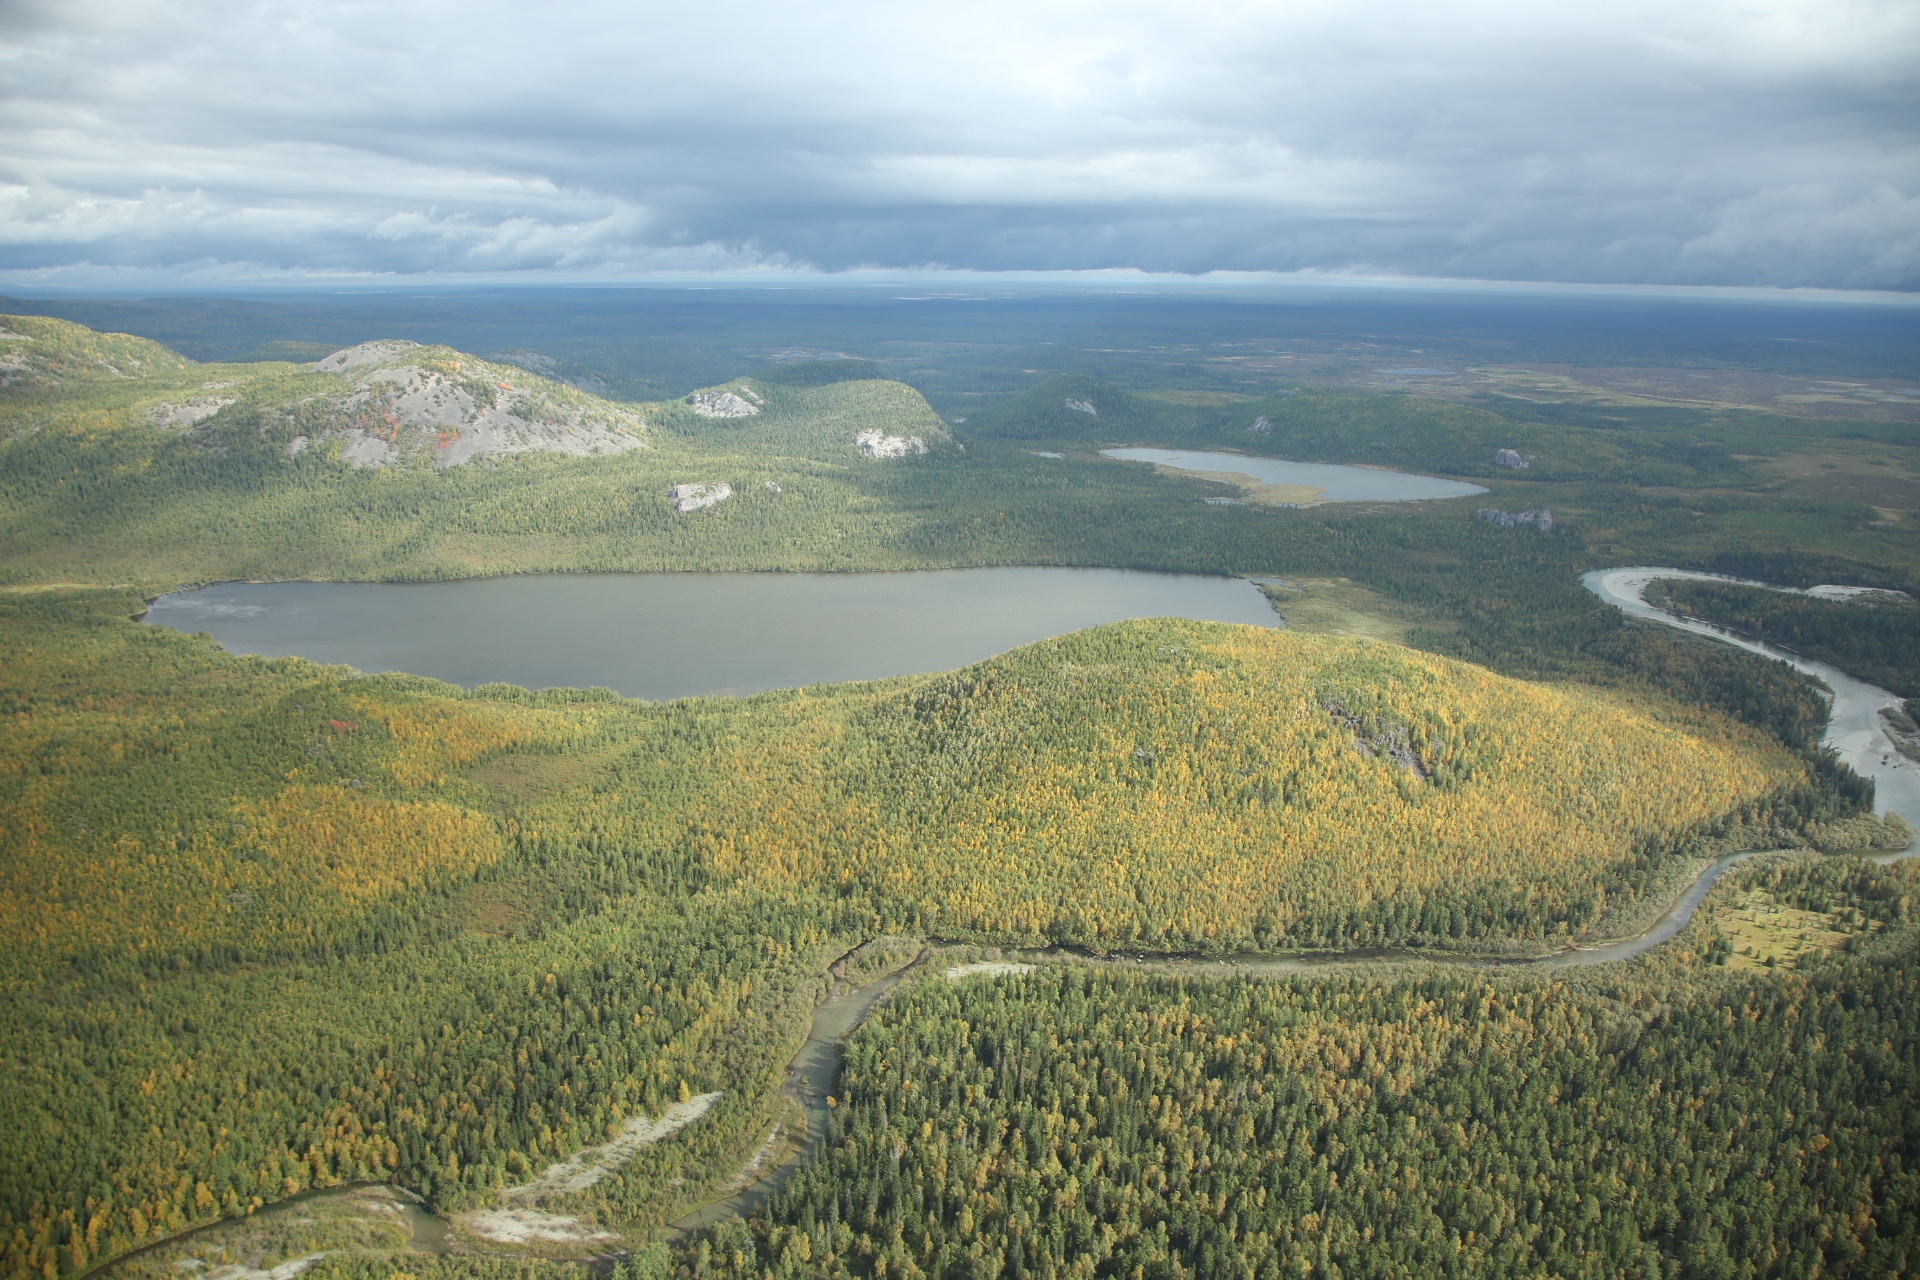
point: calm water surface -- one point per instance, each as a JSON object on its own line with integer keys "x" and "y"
{"x": 674, "y": 635}
{"x": 1339, "y": 483}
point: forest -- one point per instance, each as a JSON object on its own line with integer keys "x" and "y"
{"x": 272, "y": 926}
{"x": 1877, "y": 640}
{"x": 1670, "y": 1120}
{"x": 443, "y": 937}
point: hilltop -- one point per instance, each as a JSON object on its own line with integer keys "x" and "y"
{"x": 37, "y": 353}
{"x": 234, "y": 871}
{"x": 393, "y": 402}
{"x": 376, "y": 404}
{"x": 122, "y": 460}
{"x": 1188, "y": 785}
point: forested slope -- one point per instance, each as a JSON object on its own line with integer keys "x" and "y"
{"x": 1191, "y": 785}
{"x": 1669, "y": 1121}
{"x": 274, "y": 926}
{"x": 393, "y": 459}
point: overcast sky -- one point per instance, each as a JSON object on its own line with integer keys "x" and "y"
{"x": 1650, "y": 141}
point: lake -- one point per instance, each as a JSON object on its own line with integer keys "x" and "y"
{"x": 1338, "y": 483}
{"x": 675, "y": 635}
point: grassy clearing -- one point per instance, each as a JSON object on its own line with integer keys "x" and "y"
{"x": 1767, "y": 933}
{"x": 1342, "y": 607}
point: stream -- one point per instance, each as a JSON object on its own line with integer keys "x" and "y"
{"x": 1854, "y": 728}
{"x": 810, "y": 1076}
{"x": 809, "y": 1082}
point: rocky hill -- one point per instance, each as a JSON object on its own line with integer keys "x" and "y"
{"x": 406, "y": 400}
{"x": 373, "y": 405}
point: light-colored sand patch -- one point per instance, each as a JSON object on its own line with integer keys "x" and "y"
{"x": 581, "y": 1170}
{"x": 995, "y": 968}
{"x": 285, "y": 1271}
{"x": 1267, "y": 495}
{"x": 526, "y": 1226}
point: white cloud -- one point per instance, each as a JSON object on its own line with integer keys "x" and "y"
{"x": 1703, "y": 143}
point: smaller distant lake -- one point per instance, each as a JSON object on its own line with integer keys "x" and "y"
{"x": 675, "y": 635}
{"x": 1338, "y": 483}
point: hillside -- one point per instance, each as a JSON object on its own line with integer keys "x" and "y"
{"x": 1187, "y": 785}
{"x": 37, "y": 353}
{"x": 376, "y": 404}
{"x": 235, "y": 870}
{"x": 391, "y": 459}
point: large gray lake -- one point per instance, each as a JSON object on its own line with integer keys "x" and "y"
{"x": 674, "y": 635}
{"x": 1336, "y": 481}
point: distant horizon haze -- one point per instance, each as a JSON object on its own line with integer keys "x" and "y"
{"x": 153, "y": 144}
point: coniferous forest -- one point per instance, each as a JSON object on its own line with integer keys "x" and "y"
{"x": 272, "y": 927}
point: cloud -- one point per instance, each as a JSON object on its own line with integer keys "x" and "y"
{"x": 1711, "y": 143}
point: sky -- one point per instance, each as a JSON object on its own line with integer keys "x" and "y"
{"x": 1714, "y": 143}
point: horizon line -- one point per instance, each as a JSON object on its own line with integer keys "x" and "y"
{"x": 20, "y": 283}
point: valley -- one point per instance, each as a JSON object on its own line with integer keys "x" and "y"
{"x": 1336, "y": 883}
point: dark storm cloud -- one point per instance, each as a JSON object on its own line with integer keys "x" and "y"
{"x": 1638, "y": 142}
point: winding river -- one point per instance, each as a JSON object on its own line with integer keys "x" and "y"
{"x": 1854, "y": 728}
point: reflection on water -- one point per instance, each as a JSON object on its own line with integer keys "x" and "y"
{"x": 675, "y": 635}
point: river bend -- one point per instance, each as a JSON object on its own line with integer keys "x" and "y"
{"x": 1855, "y": 729}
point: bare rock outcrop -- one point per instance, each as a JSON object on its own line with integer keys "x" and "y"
{"x": 725, "y": 404}
{"x": 877, "y": 444}
{"x": 366, "y": 355}
{"x": 178, "y": 415}
{"x": 1513, "y": 458}
{"x": 1082, "y": 406}
{"x": 407, "y": 401}
{"x": 692, "y": 497}
{"x": 1390, "y": 741}
{"x": 1541, "y": 519}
